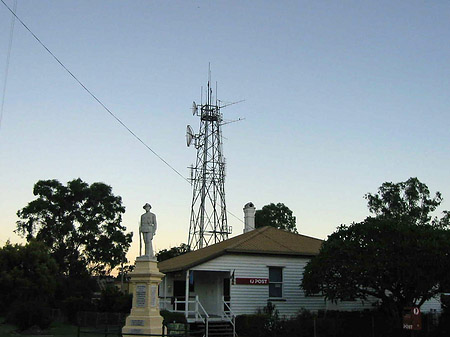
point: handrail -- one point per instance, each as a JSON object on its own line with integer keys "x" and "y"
{"x": 229, "y": 315}
{"x": 197, "y": 304}
{"x": 164, "y": 304}
{"x": 197, "y": 314}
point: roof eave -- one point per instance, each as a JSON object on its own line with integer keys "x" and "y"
{"x": 253, "y": 252}
{"x": 192, "y": 264}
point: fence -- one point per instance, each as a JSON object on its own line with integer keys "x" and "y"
{"x": 117, "y": 332}
{"x": 100, "y": 319}
{"x": 337, "y": 324}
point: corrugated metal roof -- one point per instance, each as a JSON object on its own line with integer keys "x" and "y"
{"x": 264, "y": 240}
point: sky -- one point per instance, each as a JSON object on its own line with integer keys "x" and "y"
{"x": 340, "y": 96}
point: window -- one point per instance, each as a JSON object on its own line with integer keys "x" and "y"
{"x": 275, "y": 282}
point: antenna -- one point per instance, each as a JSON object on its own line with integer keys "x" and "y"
{"x": 232, "y": 121}
{"x": 208, "y": 222}
{"x": 189, "y": 135}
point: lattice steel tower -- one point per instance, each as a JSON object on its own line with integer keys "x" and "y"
{"x": 208, "y": 224}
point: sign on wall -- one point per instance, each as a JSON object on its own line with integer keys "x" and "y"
{"x": 412, "y": 319}
{"x": 252, "y": 280}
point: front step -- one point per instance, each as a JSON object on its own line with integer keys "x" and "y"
{"x": 215, "y": 329}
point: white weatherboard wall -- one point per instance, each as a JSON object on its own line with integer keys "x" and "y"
{"x": 246, "y": 299}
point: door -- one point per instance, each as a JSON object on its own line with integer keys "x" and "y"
{"x": 226, "y": 293}
{"x": 179, "y": 292}
{"x": 208, "y": 287}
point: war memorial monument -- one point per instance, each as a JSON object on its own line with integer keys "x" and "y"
{"x": 144, "y": 317}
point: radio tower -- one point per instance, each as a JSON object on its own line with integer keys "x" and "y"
{"x": 208, "y": 223}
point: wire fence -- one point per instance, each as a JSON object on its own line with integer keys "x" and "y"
{"x": 338, "y": 324}
{"x": 101, "y": 319}
{"x": 166, "y": 331}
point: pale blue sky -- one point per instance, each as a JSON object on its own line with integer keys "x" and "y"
{"x": 340, "y": 97}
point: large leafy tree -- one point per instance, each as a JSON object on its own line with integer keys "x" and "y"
{"x": 400, "y": 257}
{"x": 80, "y": 223}
{"x": 410, "y": 200}
{"x": 276, "y": 215}
{"x": 399, "y": 264}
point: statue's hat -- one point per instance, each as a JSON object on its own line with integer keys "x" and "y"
{"x": 147, "y": 205}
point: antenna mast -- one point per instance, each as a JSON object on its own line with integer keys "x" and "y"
{"x": 208, "y": 223}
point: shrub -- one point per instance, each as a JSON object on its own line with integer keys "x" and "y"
{"x": 25, "y": 314}
{"x": 252, "y": 325}
{"x": 172, "y": 317}
{"x": 74, "y": 304}
{"x": 114, "y": 300}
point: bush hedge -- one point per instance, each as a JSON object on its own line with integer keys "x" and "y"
{"x": 26, "y": 314}
{"x": 335, "y": 324}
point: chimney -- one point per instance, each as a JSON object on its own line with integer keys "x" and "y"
{"x": 249, "y": 217}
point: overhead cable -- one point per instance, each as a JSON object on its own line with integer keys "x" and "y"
{"x": 97, "y": 99}
{"x": 92, "y": 94}
{"x": 8, "y": 57}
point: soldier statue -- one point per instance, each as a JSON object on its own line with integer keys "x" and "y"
{"x": 148, "y": 229}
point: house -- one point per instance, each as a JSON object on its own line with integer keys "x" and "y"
{"x": 242, "y": 274}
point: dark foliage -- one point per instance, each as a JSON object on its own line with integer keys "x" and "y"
{"x": 251, "y": 325}
{"x": 172, "y": 317}
{"x": 400, "y": 257}
{"x": 72, "y": 305}
{"x": 80, "y": 223}
{"x": 29, "y": 313}
{"x": 114, "y": 300}
{"x": 166, "y": 254}
{"x": 27, "y": 273}
{"x": 336, "y": 324}
{"x": 407, "y": 201}
{"x": 276, "y": 215}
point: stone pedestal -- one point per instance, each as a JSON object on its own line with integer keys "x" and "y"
{"x": 144, "y": 317}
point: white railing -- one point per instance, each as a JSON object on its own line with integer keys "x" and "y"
{"x": 229, "y": 315}
{"x": 165, "y": 303}
{"x": 198, "y": 311}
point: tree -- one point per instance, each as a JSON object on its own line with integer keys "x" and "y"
{"x": 26, "y": 273}
{"x": 278, "y": 216}
{"x": 166, "y": 254}
{"x": 80, "y": 223}
{"x": 409, "y": 199}
{"x": 400, "y": 256}
{"x": 114, "y": 300}
{"x": 399, "y": 264}
{"x": 27, "y": 284}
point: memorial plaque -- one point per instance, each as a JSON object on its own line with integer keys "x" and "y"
{"x": 137, "y": 322}
{"x": 153, "y": 298}
{"x": 141, "y": 295}
{"x": 135, "y": 331}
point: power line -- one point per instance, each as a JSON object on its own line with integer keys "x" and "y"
{"x": 92, "y": 94}
{"x": 97, "y": 99}
{"x": 8, "y": 56}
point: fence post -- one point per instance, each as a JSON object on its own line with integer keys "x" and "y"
{"x": 373, "y": 325}
{"x": 78, "y": 331}
{"x": 315, "y": 331}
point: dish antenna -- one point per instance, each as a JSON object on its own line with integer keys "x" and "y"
{"x": 194, "y": 108}
{"x": 189, "y": 135}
